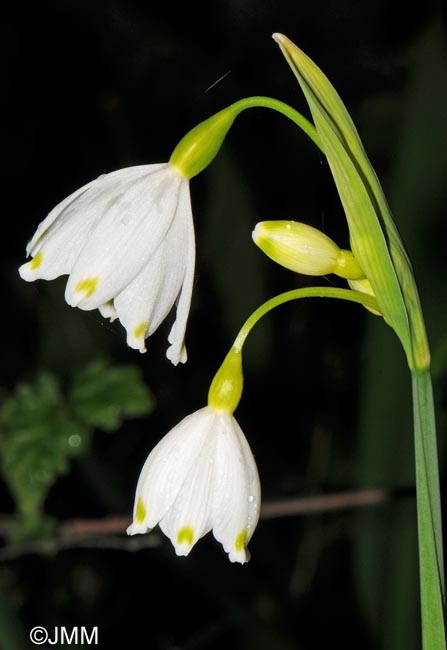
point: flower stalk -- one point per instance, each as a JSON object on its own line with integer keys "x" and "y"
{"x": 198, "y": 148}
{"x": 429, "y": 514}
{"x": 295, "y": 294}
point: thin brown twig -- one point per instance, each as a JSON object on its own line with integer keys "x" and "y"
{"x": 269, "y": 510}
{"x": 324, "y": 503}
{"x": 57, "y": 544}
{"x": 107, "y": 532}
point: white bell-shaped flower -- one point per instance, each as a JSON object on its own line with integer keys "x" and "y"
{"x": 126, "y": 241}
{"x": 200, "y": 477}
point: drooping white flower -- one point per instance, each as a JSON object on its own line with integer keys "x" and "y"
{"x": 126, "y": 241}
{"x": 200, "y": 477}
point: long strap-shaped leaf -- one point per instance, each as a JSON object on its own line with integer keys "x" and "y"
{"x": 378, "y": 248}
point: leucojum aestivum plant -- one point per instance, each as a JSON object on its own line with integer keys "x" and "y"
{"x": 126, "y": 242}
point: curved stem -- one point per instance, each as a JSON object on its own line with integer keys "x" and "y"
{"x": 295, "y": 294}
{"x": 284, "y": 109}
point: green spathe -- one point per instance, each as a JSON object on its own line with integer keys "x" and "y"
{"x": 375, "y": 240}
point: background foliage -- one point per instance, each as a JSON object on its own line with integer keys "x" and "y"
{"x": 95, "y": 86}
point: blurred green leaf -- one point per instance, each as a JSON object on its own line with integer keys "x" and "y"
{"x": 41, "y": 429}
{"x": 37, "y": 437}
{"x": 103, "y": 396}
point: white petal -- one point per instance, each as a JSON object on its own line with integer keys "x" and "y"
{"x": 108, "y": 311}
{"x": 148, "y": 299}
{"x": 57, "y": 251}
{"x": 190, "y": 515}
{"x": 168, "y": 466}
{"x": 45, "y": 225}
{"x": 237, "y": 491}
{"x": 60, "y": 237}
{"x": 130, "y": 229}
{"x": 177, "y": 352}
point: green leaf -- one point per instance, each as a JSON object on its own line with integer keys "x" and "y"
{"x": 103, "y": 396}
{"x": 41, "y": 430}
{"x": 37, "y": 437}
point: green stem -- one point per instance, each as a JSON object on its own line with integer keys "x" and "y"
{"x": 201, "y": 145}
{"x": 280, "y": 107}
{"x": 431, "y": 564}
{"x": 226, "y": 388}
{"x": 295, "y": 294}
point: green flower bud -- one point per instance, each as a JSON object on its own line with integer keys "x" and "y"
{"x": 304, "y": 249}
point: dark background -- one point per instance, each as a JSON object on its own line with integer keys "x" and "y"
{"x": 90, "y": 87}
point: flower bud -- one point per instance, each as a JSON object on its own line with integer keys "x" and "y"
{"x": 304, "y": 249}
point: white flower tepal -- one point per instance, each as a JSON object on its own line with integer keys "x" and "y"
{"x": 200, "y": 477}
{"x": 126, "y": 241}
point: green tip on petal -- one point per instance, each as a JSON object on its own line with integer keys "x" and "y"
{"x": 36, "y": 261}
{"x": 185, "y": 535}
{"x": 88, "y": 286}
{"x": 141, "y": 329}
{"x": 140, "y": 513}
{"x": 241, "y": 540}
